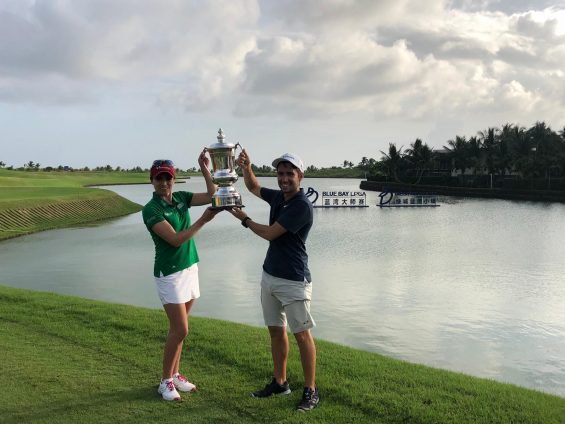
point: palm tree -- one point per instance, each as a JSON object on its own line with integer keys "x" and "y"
{"x": 420, "y": 155}
{"x": 562, "y": 135}
{"x": 489, "y": 140}
{"x": 561, "y": 143}
{"x": 392, "y": 160}
{"x": 458, "y": 152}
{"x": 473, "y": 149}
{"x": 505, "y": 137}
{"x": 520, "y": 150}
{"x": 546, "y": 147}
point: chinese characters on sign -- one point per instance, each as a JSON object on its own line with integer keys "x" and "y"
{"x": 339, "y": 199}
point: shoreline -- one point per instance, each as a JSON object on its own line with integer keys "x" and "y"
{"x": 177, "y": 181}
{"x": 22, "y": 221}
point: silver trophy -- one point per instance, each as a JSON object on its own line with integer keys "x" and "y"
{"x": 222, "y": 156}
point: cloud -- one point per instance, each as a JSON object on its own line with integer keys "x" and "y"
{"x": 199, "y": 45}
{"x": 295, "y": 59}
{"x": 506, "y": 6}
{"x": 409, "y": 67}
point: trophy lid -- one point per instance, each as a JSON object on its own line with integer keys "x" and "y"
{"x": 221, "y": 144}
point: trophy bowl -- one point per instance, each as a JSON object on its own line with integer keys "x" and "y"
{"x": 222, "y": 156}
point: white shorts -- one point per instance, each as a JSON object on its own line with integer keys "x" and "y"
{"x": 286, "y": 302}
{"x": 179, "y": 287}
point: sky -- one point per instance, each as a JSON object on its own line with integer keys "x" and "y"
{"x": 121, "y": 83}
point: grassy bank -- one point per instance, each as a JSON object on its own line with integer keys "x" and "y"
{"x": 37, "y": 201}
{"x": 70, "y": 360}
{"x": 68, "y": 179}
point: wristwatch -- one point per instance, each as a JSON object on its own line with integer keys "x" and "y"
{"x": 244, "y": 221}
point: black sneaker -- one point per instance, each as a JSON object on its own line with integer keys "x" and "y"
{"x": 310, "y": 399}
{"x": 273, "y": 388}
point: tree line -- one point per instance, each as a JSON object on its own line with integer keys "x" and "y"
{"x": 33, "y": 166}
{"x": 511, "y": 152}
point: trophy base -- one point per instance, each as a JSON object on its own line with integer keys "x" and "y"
{"x": 225, "y": 208}
{"x": 227, "y": 200}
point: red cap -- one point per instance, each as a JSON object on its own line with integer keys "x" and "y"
{"x": 162, "y": 166}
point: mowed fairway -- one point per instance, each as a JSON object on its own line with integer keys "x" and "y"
{"x": 37, "y": 201}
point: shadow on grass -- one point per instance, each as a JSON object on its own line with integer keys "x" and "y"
{"x": 128, "y": 404}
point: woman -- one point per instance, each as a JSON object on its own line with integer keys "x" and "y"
{"x": 167, "y": 218}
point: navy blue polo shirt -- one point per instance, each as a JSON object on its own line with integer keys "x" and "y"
{"x": 286, "y": 257}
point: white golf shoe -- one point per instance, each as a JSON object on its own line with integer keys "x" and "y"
{"x": 182, "y": 384}
{"x": 168, "y": 391}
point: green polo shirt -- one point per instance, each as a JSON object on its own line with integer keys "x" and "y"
{"x": 170, "y": 259}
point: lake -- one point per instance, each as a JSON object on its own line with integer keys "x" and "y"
{"x": 476, "y": 286}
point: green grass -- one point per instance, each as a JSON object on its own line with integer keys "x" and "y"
{"x": 24, "y": 197}
{"x": 70, "y": 360}
{"x": 37, "y": 201}
{"x": 10, "y": 178}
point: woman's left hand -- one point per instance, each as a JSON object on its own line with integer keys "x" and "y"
{"x": 203, "y": 160}
{"x": 209, "y": 214}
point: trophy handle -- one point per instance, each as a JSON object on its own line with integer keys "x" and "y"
{"x": 234, "y": 150}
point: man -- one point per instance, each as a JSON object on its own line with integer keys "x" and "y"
{"x": 286, "y": 284}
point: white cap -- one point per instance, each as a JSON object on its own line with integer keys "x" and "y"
{"x": 289, "y": 157}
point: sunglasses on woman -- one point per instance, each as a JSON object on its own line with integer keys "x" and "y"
{"x": 163, "y": 176}
{"x": 161, "y": 162}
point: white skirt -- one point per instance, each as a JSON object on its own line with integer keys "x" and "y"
{"x": 179, "y": 287}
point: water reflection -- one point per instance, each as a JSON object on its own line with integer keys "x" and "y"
{"x": 473, "y": 286}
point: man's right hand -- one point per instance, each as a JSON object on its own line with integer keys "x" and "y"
{"x": 248, "y": 176}
{"x": 243, "y": 159}
{"x": 238, "y": 213}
